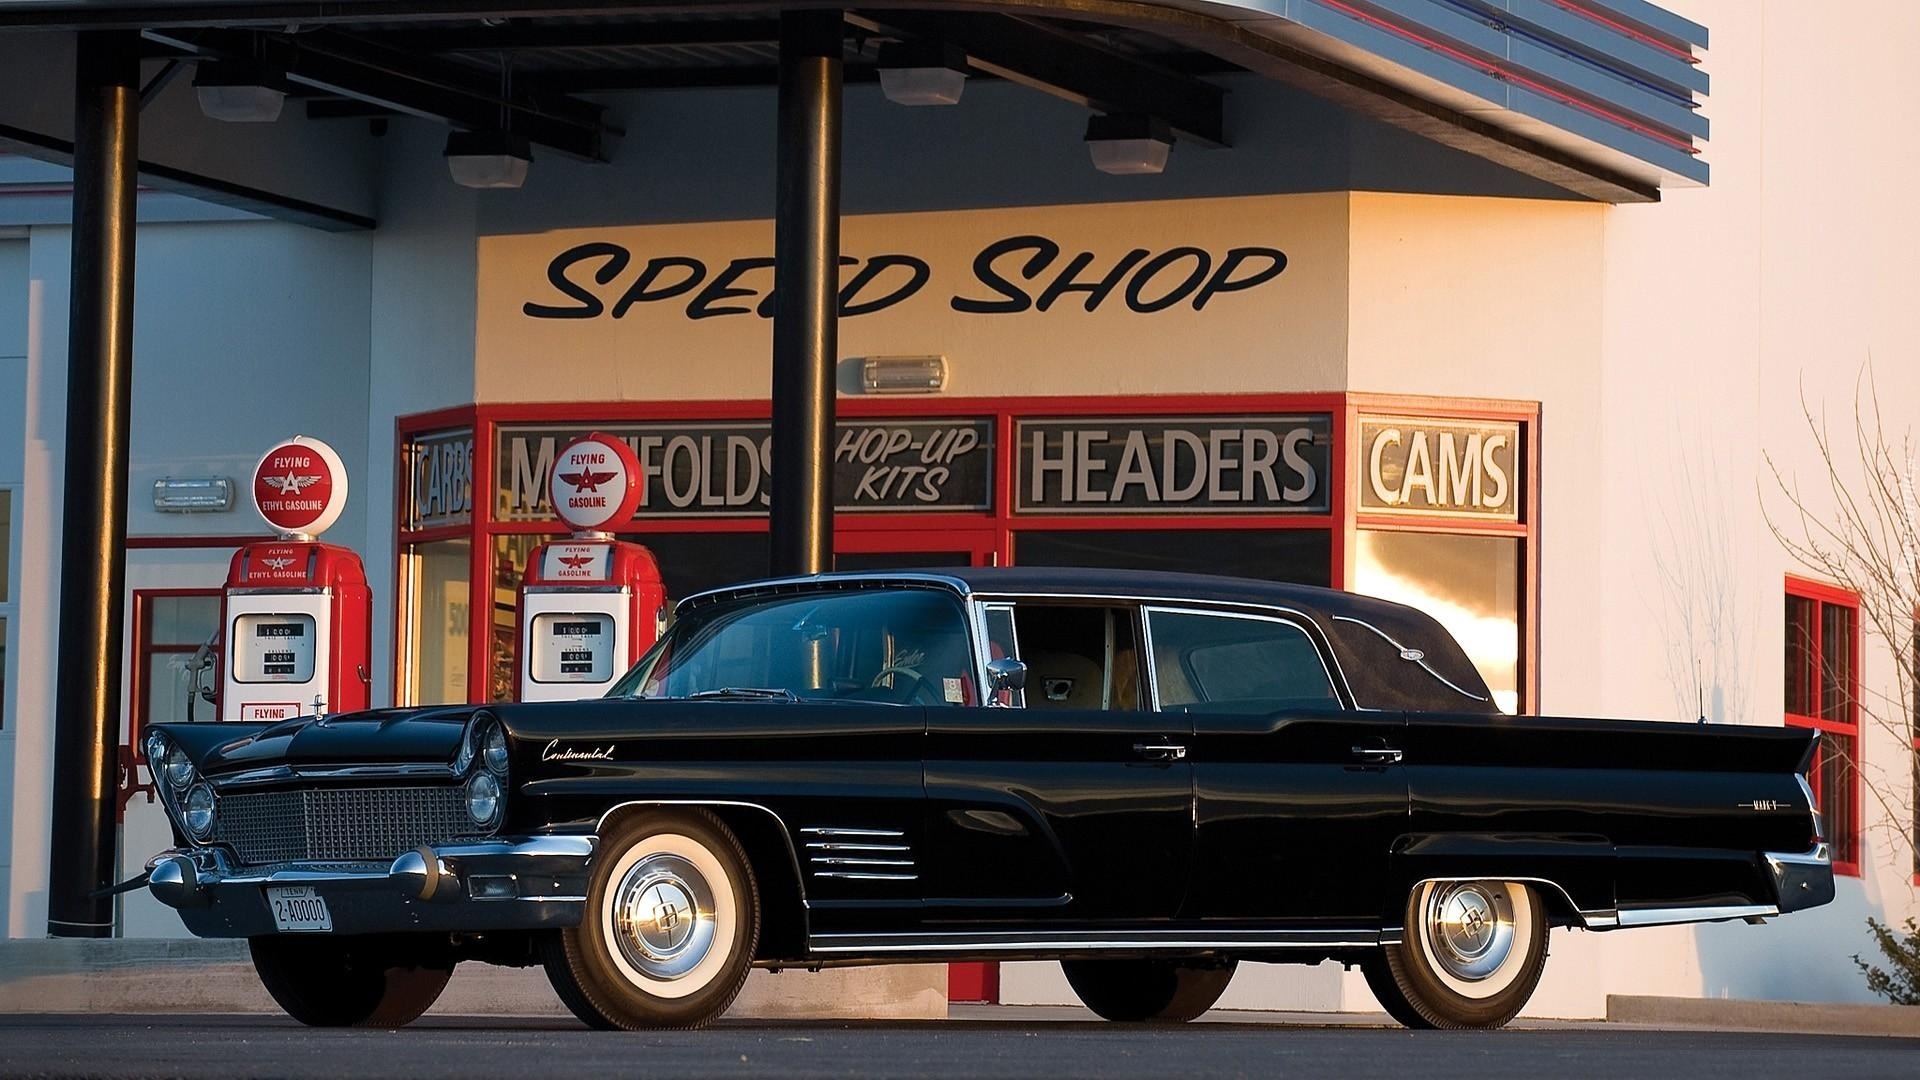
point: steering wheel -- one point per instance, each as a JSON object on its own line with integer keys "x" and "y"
{"x": 921, "y": 691}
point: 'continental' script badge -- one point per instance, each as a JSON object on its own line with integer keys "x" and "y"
{"x": 554, "y": 752}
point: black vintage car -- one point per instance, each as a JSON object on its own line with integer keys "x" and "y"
{"x": 1148, "y": 777}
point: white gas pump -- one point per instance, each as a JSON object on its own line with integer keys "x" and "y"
{"x": 590, "y": 605}
{"x": 297, "y": 613}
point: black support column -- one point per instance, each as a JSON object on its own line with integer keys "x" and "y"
{"x": 93, "y": 561}
{"x": 806, "y": 252}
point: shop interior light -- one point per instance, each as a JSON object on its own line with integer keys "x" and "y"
{"x": 1129, "y": 145}
{"x": 193, "y": 494}
{"x": 238, "y": 91}
{"x": 922, "y": 73}
{"x": 904, "y": 375}
{"x": 488, "y": 159}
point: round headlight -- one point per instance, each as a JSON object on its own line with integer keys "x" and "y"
{"x": 198, "y": 812}
{"x": 178, "y": 770}
{"x": 483, "y": 799}
{"x": 494, "y": 748}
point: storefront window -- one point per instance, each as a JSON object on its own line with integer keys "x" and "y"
{"x": 173, "y": 630}
{"x": 1299, "y": 556}
{"x": 440, "y": 613}
{"x": 1471, "y": 584}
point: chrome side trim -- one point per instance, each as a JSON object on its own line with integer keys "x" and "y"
{"x": 817, "y": 831}
{"x": 1589, "y": 919}
{"x": 793, "y": 855}
{"x": 837, "y": 860}
{"x": 858, "y": 847}
{"x": 1422, "y": 661}
{"x": 1015, "y": 941}
{"x": 854, "y": 875}
{"x": 1670, "y": 916}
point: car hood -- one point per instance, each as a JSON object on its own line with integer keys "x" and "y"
{"x": 375, "y": 737}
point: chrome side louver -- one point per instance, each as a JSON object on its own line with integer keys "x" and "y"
{"x": 859, "y": 854}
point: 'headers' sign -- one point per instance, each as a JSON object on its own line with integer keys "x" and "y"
{"x": 1440, "y": 468}
{"x": 1175, "y": 465}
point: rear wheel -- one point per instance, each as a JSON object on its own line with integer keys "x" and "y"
{"x": 349, "y": 982}
{"x": 672, "y": 923}
{"x": 1162, "y": 991}
{"x": 1472, "y": 955}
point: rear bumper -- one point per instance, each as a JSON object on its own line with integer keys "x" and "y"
{"x": 1804, "y": 880}
{"x": 510, "y": 883}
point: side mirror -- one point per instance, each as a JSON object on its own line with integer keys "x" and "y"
{"x": 1006, "y": 673}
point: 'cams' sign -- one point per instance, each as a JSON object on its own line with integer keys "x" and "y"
{"x": 1443, "y": 468}
{"x": 725, "y": 468}
{"x": 1175, "y": 465}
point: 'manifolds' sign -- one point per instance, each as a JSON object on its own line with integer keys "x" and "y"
{"x": 725, "y": 468}
{"x": 1447, "y": 468}
{"x": 1175, "y": 465}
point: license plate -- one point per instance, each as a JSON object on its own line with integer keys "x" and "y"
{"x": 299, "y": 908}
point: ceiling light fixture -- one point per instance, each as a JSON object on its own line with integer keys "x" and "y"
{"x": 488, "y": 159}
{"x": 1129, "y": 145}
{"x": 238, "y": 91}
{"x": 922, "y": 73}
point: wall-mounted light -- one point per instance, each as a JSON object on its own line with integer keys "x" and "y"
{"x": 922, "y": 73}
{"x": 238, "y": 91}
{"x": 488, "y": 159}
{"x": 904, "y": 375}
{"x": 1129, "y": 145}
{"x": 193, "y": 494}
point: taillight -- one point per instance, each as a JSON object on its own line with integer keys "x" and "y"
{"x": 1813, "y": 807}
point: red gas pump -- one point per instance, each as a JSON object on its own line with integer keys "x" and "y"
{"x": 589, "y": 605}
{"x": 297, "y": 613}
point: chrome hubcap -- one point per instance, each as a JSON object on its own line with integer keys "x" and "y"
{"x": 663, "y": 912}
{"x": 1471, "y": 927}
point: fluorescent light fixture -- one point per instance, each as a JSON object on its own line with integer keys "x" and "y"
{"x": 904, "y": 375}
{"x": 488, "y": 159}
{"x": 238, "y": 92}
{"x": 1129, "y": 145}
{"x": 193, "y": 494}
{"x": 922, "y": 73}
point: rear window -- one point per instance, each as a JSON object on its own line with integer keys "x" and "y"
{"x": 1204, "y": 661}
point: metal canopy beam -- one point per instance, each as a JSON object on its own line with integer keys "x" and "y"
{"x": 519, "y": 37}
{"x": 1067, "y": 65}
{"x": 450, "y": 93}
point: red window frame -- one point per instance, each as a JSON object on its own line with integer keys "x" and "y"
{"x": 1845, "y": 846}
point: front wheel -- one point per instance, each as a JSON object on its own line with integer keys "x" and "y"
{"x": 1472, "y": 954}
{"x": 346, "y": 982}
{"x": 672, "y": 923}
{"x": 1160, "y": 991}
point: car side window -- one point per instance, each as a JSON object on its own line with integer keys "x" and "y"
{"x": 1221, "y": 662}
{"x": 1078, "y": 656}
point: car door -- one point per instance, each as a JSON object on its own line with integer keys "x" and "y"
{"x": 1067, "y": 800}
{"x": 1298, "y": 799}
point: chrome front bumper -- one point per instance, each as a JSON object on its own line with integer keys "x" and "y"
{"x": 509, "y": 883}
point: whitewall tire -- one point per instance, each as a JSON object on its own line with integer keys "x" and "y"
{"x": 671, "y": 927}
{"x": 1471, "y": 956}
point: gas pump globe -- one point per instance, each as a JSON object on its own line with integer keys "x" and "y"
{"x": 296, "y": 612}
{"x": 590, "y": 605}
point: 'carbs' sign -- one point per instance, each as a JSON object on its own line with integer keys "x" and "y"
{"x": 1445, "y": 468}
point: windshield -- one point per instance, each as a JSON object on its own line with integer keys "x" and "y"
{"x": 902, "y": 646}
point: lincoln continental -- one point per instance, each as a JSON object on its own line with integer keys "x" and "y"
{"x": 1148, "y": 778}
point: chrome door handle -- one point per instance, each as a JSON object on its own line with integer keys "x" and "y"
{"x": 1378, "y": 755}
{"x": 1160, "y": 751}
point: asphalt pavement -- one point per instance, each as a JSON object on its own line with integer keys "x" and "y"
{"x": 466, "y": 1048}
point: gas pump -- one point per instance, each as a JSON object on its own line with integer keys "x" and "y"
{"x": 297, "y": 613}
{"x": 590, "y": 605}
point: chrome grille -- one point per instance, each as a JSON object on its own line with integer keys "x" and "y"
{"x": 343, "y": 824}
